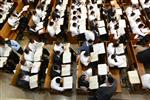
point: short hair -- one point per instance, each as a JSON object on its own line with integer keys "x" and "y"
{"x": 74, "y": 24}
{"x": 74, "y": 12}
{"x": 56, "y": 10}
{"x": 56, "y": 67}
{"x": 57, "y": 52}
{"x": 91, "y": 7}
{"x": 116, "y": 27}
{"x": 110, "y": 79}
{"x": 86, "y": 54}
{"x": 58, "y": 80}
{"x": 116, "y": 44}
{"x": 72, "y": 7}
{"x": 74, "y": 18}
{"x": 0, "y": 16}
{"x": 138, "y": 20}
{"x": 132, "y": 14}
{"x": 26, "y": 51}
{"x": 146, "y": 1}
{"x": 90, "y": 41}
{"x": 92, "y": 12}
{"x": 51, "y": 23}
{"x": 113, "y": 56}
{"x": 79, "y": 16}
{"x": 34, "y": 12}
{"x": 140, "y": 25}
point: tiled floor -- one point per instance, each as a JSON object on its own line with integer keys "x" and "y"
{"x": 9, "y": 92}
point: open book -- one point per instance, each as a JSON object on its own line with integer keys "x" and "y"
{"x": 93, "y": 82}
{"x": 67, "y": 82}
{"x": 133, "y": 77}
{"x": 99, "y": 48}
{"x": 66, "y": 57}
{"x": 66, "y": 70}
{"x": 33, "y": 83}
{"x": 102, "y": 69}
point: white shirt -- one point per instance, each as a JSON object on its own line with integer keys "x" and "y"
{"x": 146, "y": 80}
{"x": 59, "y": 48}
{"x": 35, "y": 19}
{"x": 137, "y": 31}
{"x": 51, "y": 30}
{"x": 89, "y": 35}
{"x": 29, "y": 56}
{"x": 13, "y": 21}
{"x": 84, "y": 60}
{"x": 55, "y": 85}
{"x": 112, "y": 63}
{"x": 32, "y": 46}
{"x": 91, "y": 17}
{"x": 74, "y": 30}
{"x": 110, "y": 49}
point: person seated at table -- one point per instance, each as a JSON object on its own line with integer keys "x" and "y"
{"x": 55, "y": 71}
{"x": 85, "y": 46}
{"x": 144, "y": 56}
{"x": 51, "y": 29}
{"x": 36, "y": 19}
{"x": 56, "y": 84}
{"x": 85, "y": 58}
{"x": 111, "y": 47}
{"x": 146, "y": 81}
{"x": 84, "y": 79}
{"x": 115, "y": 61}
{"x": 23, "y": 79}
{"x": 14, "y": 45}
{"x": 59, "y": 47}
{"x": 106, "y": 92}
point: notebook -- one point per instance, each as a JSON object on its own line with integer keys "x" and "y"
{"x": 133, "y": 77}
{"x": 102, "y": 31}
{"x": 66, "y": 57}
{"x": 66, "y": 70}
{"x": 93, "y": 82}
{"x": 93, "y": 57}
{"x": 102, "y": 69}
{"x": 35, "y": 67}
{"x": 99, "y": 48}
{"x": 33, "y": 83}
{"x": 67, "y": 82}
{"x": 101, "y": 23}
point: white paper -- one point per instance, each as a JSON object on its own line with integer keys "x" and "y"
{"x": 7, "y": 51}
{"x": 33, "y": 83}
{"x": 2, "y": 61}
{"x": 66, "y": 57}
{"x": 67, "y": 82}
{"x": 120, "y": 49}
{"x": 93, "y": 82}
{"x": 35, "y": 67}
{"x": 124, "y": 58}
{"x": 101, "y": 23}
{"x": 122, "y": 23}
{"x": 133, "y": 77}
{"x": 38, "y": 54}
{"x": 93, "y": 57}
{"x": 102, "y": 69}
{"x": 66, "y": 70}
{"x": 119, "y": 11}
{"x": 102, "y": 30}
{"x": 99, "y": 48}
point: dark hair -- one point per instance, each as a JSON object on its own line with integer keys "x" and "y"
{"x": 79, "y": 16}
{"x": 116, "y": 27}
{"x": 74, "y": 24}
{"x": 56, "y": 67}
{"x": 72, "y": 7}
{"x": 90, "y": 41}
{"x": 57, "y": 52}
{"x": 140, "y": 26}
{"x": 74, "y": 18}
{"x": 51, "y": 23}
{"x": 132, "y": 14}
{"x": 86, "y": 54}
{"x": 26, "y": 51}
{"x": 113, "y": 56}
{"x": 74, "y": 12}
{"x": 110, "y": 79}
{"x": 58, "y": 80}
{"x": 91, "y": 7}
{"x": 116, "y": 44}
{"x": 146, "y": 1}
{"x": 138, "y": 20}
{"x": 34, "y": 12}
{"x": 92, "y": 12}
